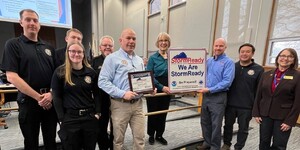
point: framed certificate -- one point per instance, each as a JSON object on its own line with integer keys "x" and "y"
{"x": 141, "y": 81}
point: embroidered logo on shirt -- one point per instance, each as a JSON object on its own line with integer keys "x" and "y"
{"x": 99, "y": 67}
{"x": 251, "y": 72}
{"x": 124, "y": 62}
{"x": 48, "y": 52}
{"x": 87, "y": 79}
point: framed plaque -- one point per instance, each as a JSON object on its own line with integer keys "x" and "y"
{"x": 141, "y": 81}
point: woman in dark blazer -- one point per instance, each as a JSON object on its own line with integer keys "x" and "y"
{"x": 277, "y": 102}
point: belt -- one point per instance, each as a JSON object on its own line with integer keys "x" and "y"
{"x": 44, "y": 90}
{"x": 214, "y": 94}
{"x": 80, "y": 112}
{"x": 125, "y": 101}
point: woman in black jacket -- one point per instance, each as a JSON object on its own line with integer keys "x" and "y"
{"x": 76, "y": 100}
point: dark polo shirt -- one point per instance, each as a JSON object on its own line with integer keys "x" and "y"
{"x": 60, "y": 55}
{"x": 32, "y": 61}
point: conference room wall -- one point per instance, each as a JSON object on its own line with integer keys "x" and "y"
{"x": 81, "y": 16}
{"x": 7, "y": 31}
{"x": 193, "y": 24}
{"x": 110, "y": 17}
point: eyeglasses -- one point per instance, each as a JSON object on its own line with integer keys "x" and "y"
{"x": 107, "y": 45}
{"x": 161, "y": 41}
{"x": 290, "y": 57}
{"x": 73, "y": 52}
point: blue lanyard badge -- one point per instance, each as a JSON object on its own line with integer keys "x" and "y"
{"x": 277, "y": 80}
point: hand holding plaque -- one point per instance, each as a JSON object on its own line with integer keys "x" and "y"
{"x": 141, "y": 81}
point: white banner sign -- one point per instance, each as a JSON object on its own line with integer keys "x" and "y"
{"x": 187, "y": 69}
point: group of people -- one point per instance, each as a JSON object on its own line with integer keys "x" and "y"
{"x": 57, "y": 87}
{"x": 60, "y": 86}
{"x": 243, "y": 90}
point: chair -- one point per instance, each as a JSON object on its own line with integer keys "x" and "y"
{"x": 5, "y": 111}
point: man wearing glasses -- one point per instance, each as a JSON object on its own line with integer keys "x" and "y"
{"x": 106, "y": 47}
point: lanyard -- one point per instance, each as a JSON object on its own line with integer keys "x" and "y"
{"x": 276, "y": 80}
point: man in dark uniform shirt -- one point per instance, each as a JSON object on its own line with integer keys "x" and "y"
{"x": 29, "y": 64}
{"x": 72, "y": 36}
{"x": 106, "y": 47}
{"x": 241, "y": 96}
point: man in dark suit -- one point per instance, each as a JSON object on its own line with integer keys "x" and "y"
{"x": 106, "y": 47}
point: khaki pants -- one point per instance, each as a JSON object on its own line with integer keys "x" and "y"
{"x": 123, "y": 114}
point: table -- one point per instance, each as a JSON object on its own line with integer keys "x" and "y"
{"x": 5, "y": 89}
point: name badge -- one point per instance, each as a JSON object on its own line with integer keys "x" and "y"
{"x": 288, "y": 77}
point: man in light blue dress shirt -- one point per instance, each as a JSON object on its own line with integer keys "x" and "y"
{"x": 220, "y": 74}
{"x": 126, "y": 106}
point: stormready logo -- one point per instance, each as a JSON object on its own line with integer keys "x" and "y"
{"x": 182, "y": 58}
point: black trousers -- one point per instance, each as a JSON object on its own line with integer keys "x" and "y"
{"x": 243, "y": 117}
{"x": 79, "y": 132}
{"x": 157, "y": 123}
{"x": 104, "y": 140}
{"x": 270, "y": 128}
{"x": 31, "y": 118}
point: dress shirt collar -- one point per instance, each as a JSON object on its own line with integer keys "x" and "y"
{"x": 219, "y": 57}
{"x": 126, "y": 54}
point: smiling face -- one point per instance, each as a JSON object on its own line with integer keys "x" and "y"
{"x": 246, "y": 53}
{"x": 30, "y": 23}
{"x": 285, "y": 59}
{"x": 106, "y": 47}
{"x": 128, "y": 41}
{"x": 163, "y": 43}
{"x": 76, "y": 54}
{"x": 219, "y": 46}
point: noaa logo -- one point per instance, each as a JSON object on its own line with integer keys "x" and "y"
{"x": 87, "y": 79}
{"x": 124, "y": 62}
{"x": 48, "y": 52}
{"x": 200, "y": 82}
{"x": 174, "y": 83}
{"x": 251, "y": 72}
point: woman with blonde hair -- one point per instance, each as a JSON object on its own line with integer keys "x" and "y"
{"x": 158, "y": 63}
{"x": 76, "y": 100}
